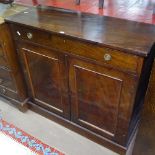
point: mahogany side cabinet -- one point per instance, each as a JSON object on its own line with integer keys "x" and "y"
{"x": 11, "y": 81}
{"x": 87, "y": 72}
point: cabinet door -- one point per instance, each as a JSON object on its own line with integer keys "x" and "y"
{"x": 11, "y": 80}
{"x": 101, "y": 98}
{"x": 46, "y": 74}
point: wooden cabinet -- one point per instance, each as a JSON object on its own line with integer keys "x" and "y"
{"x": 97, "y": 95}
{"x": 11, "y": 83}
{"x": 47, "y": 78}
{"x": 90, "y": 74}
{"x": 100, "y": 97}
{"x": 94, "y": 92}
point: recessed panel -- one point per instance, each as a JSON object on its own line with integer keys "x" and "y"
{"x": 45, "y": 80}
{"x": 98, "y": 97}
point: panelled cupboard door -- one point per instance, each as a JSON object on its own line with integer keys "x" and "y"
{"x": 46, "y": 74}
{"x": 101, "y": 98}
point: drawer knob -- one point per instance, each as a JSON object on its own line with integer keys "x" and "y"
{"x": 1, "y": 81}
{"x": 3, "y": 91}
{"x": 29, "y": 35}
{"x": 107, "y": 57}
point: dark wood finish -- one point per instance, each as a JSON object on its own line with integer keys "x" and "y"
{"x": 120, "y": 60}
{"x": 98, "y": 95}
{"x": 93, "y": 71}
{"x": 11, "y": 80}
{"x": 46, "y": 72}
{"x": 128, "y": 36}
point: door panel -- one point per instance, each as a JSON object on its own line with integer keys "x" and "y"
{"x": 47, "y": 78}
{"x": 98, "y": 95}
{"x": 96, "y": 98}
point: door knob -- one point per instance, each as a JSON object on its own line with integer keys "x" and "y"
{"x": 29, "y": 35}
{"x": 107, "y": 57}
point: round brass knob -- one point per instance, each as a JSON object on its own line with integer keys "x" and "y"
{"x": 29, "y": 35}
{"x": 107, "y": 57}
{"x": 1, "y": 81}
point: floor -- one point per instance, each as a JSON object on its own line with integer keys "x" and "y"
{"x": 15, "y": 147}
{"x": 50, "y": 132}
{"x": 136, "y": 10}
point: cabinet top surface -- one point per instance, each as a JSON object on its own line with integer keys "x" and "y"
{"x": 129, "y": 36}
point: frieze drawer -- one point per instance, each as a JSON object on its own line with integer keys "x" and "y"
{"x": 103, "y": 55}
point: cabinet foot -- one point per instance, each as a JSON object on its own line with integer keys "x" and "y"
{"x": 78, "y": 2}
{"x": 23, "y": 107}
{"x": 101, "y": 4}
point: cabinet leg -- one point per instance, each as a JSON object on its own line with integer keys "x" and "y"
{"x": 23, "y": 107}
{"x": 154, "y": 8}
{"x": 77, "y": 2}
{"x": 101, "y": 4}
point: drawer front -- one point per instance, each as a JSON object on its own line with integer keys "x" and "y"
{"x": 32, "y": 35}
{"x": 6, "y": 79}
{"x": 103, "y": 55}
{"x": 8, "y": 93}
{"x": 3, "y": 61}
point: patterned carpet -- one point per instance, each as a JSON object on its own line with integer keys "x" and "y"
{"x": 14, "y": 141}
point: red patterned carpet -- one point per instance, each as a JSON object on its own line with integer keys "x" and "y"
{"x": 22, "y": 143}
{"x": 137, "y": 10}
